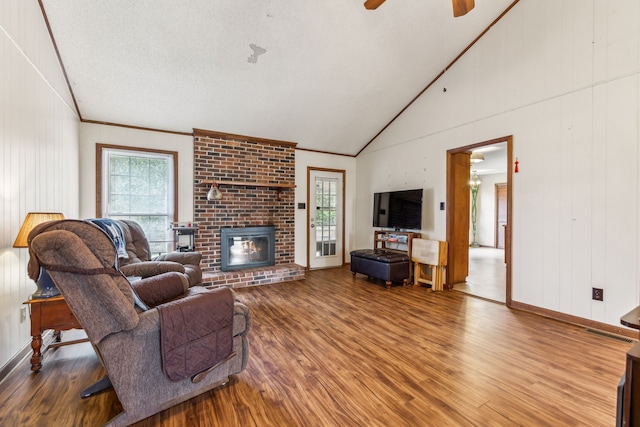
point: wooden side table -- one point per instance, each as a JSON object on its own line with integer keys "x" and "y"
{"x": 50, "y": 313}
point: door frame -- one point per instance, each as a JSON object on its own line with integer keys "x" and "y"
{"x": 496, "y": 239}
{"x": 344, "y": 188}
{"x": 458, "y": 166}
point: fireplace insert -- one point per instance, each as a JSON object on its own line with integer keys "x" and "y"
{"x": 247, "y": 247}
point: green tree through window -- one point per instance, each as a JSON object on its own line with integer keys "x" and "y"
{"x": 140, "y": 185}
{"x": 326, "y": 217}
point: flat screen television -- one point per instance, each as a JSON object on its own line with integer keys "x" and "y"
{"x": 399, "y": 210}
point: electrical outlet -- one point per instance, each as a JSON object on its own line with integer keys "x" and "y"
{"x": 597, "y": 294}
{"x": 23, "y": 314}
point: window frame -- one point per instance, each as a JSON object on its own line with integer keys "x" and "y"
{"x": 99, "y": 172}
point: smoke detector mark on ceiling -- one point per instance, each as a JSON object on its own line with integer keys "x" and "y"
{"x": 257, "y": 51}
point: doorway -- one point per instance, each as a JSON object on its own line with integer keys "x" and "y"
{"x": 462, "y": 262}
{"x": 325, "y": 217}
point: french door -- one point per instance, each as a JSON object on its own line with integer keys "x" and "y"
{"x": 325, "y": 224}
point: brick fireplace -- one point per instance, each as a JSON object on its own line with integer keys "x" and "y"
{"x": 257, "y": 179}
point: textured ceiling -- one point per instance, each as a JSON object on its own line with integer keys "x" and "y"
{"x": 328, "y": 75}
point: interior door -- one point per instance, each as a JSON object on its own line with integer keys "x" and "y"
{"x": 458, "y": 212}
{"x": 326, "y": 218}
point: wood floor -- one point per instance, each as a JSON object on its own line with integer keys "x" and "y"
{"x": 336, "y": 351}
{"x": 487, "y": 274}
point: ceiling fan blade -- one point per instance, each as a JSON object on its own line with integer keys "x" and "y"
{"x": 461, "y": 7}
{"x": 372, "y": 4}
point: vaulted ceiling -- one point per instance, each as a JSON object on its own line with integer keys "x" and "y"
{"x": 328, "y": 75}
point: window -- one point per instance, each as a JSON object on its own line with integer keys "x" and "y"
{"x": 326, "y": 216}
{"x": 139, "y": 184}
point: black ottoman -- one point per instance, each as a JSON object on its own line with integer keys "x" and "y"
{"x": 383, "y": 264}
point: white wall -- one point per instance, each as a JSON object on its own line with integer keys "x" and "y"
{"x": 563, "y": 78}
{"x": 407, "y": 166}
{"x": 39, "y": 153}
{"x": 92, "y": 134}
{"x": 305, "y": 159}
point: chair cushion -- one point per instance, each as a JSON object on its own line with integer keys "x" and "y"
{"x": 136, "y": 243}
{"x": 381, "y": 255}
{"x": 155, "y": 290}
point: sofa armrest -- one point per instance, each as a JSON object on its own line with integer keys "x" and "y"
{"x": 155, "y": 290}
{"x": 191, "y": 262}
{"x": 192, "y": 258}
{"x": 151, "y": 268}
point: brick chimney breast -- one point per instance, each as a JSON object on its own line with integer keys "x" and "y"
{"x": 223, "y": 157}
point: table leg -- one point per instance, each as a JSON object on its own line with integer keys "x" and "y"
{"x": 36, "y": 358}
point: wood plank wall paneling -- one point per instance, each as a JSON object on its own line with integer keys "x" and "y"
{"x": 336, "y": 351}
{"x": 567, "y": 90}
{"x": 39, "y": 150}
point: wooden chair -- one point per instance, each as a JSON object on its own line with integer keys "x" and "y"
{"x": 430, "y": 260}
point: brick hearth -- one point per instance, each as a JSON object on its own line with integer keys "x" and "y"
{"x": 223, "y": 157}
{"x": 253, "y": 276}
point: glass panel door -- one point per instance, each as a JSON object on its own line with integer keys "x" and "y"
{"x": 326, "y": 218}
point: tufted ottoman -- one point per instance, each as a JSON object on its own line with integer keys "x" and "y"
{"x": 383, "y": 264}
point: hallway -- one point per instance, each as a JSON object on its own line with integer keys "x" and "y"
{"x": 487, "y": 274}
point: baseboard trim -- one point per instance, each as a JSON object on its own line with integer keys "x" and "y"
{"x": 21, "y": 355}
{"x": 575, "y": 320}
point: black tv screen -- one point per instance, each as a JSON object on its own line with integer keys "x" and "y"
{"x": 400, "y": 210}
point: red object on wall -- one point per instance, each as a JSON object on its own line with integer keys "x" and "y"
{"x": 516, "y": 168}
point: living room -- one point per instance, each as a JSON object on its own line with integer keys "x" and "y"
{"x": 561, "y": 78}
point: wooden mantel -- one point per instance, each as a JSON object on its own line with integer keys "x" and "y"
{"x": 220, "y": 182}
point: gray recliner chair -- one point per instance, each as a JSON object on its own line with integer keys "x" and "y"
{"x": 140, "y": 262}
{"x": 143, "y": 332}
{"x": 135, "y": 258}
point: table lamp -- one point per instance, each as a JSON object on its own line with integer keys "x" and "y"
{"x": 46, "y": 287}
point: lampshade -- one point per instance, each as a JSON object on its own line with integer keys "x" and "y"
{"x": 31, "y": 220}
{"x": 214, "y": 193}
{"x": 477, "y": 158}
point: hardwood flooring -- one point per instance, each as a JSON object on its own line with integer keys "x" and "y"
{"x": 336, "y": 351}
{"x": 487, "y": 275}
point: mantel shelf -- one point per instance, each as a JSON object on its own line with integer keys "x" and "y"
{"x": 247, "y": 184}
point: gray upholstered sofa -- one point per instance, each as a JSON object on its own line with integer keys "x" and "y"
{"x": 80, "y": 258}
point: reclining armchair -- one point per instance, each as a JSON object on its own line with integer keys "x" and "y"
{"x": 160, "y": 341}
{"x": 135, "y": 257}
